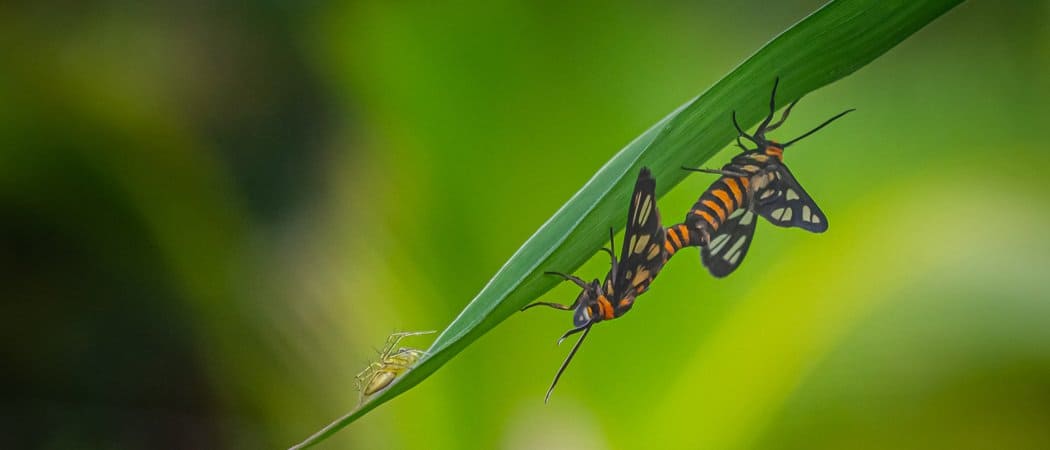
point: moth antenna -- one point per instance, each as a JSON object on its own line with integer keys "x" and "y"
{"x": 572, "y": 332}
{"x": 826, "y": 122}
{"x": 586, "y": 329}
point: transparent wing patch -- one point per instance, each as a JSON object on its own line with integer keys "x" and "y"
{"x": 729, "y": 245}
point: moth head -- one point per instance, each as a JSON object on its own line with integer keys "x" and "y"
{"x": 587, "y": 308}
{"x": 775, "y": 150}
{"x": 759, "y": 138}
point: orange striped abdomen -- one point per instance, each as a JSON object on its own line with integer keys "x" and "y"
{"x": 678, "y": 237}
{"x": 718, "y": 202}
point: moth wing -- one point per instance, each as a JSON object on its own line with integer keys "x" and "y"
{"x": 641, "y": 257}
{"x": 785, "y": 204}
{"x": 728, "y": 246}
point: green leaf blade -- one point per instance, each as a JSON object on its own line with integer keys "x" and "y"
{"x": 831, "y": 43}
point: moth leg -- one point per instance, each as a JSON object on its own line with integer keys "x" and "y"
{"x": 725, "y": 173}
{"x": 741, "y": 132}
{"x": 741, "y": 144}
{"x": 573, "y": 278}
{"x": 551, "y": 305}
{"x": 783, "y": 116}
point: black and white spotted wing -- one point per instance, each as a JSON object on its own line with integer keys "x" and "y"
{"x": 785, "y": 204}
{"x": 642, "y": 253}
{"x": 729, "y": 245}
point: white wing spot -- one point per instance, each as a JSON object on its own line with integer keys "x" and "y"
{"x": 635, "y": 207}
{"x": 806, "y": 214}
{"x": 718, "y": 242}
{"x": 653, "y": 251}
{"x": 646, "y": 207}
{"x": 739, "y": 243}
{"x": 791, "y": 194}
{"x": 746, "y": 220}
{"x": 639, "y": 246}
{"x": 639, "y": 277}
{"x": 787, "y": 214}
{"x": 778, "y": 213}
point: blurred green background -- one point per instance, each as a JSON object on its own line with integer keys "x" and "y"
{"x": 212, "y": 214}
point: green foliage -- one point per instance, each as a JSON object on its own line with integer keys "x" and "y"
{"x": 833, "y": 42}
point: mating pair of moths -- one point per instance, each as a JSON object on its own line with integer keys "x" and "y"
{"x": 722, "y": 223}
